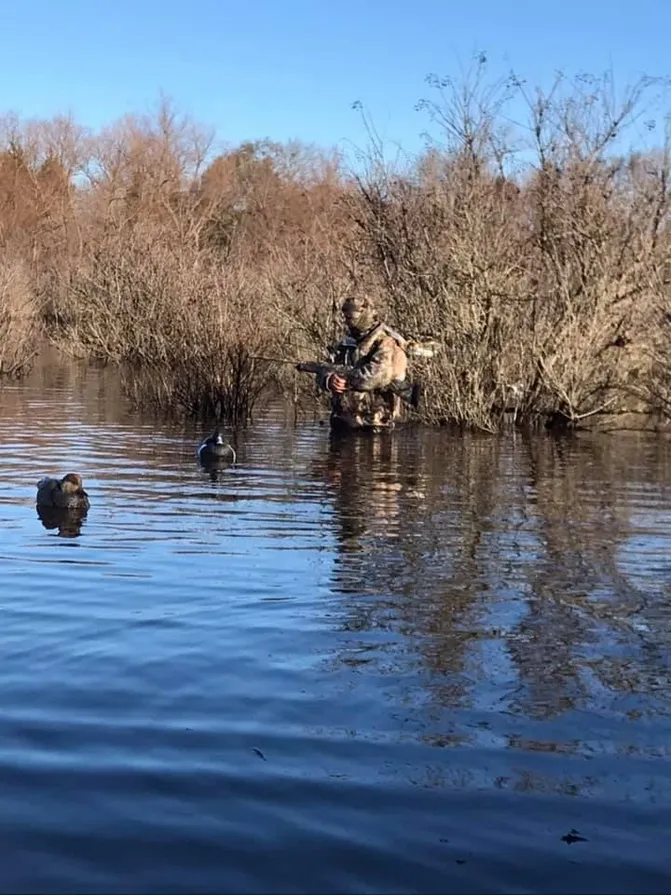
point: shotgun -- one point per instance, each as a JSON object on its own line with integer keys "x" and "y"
{"x": 406, "y": 391}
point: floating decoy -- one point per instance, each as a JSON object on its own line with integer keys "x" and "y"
{"x": 66, "y": 493}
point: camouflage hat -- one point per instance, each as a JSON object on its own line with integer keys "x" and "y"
{"x": 358, "y": 306}
{"x": 355, "y": 303}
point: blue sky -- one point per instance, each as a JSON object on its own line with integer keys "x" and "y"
{"x": 292, "y": 69}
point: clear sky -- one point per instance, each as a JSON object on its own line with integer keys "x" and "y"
{"x": 293, "y": 68}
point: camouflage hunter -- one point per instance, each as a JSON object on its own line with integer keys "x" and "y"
{"x": 372, "y": 364}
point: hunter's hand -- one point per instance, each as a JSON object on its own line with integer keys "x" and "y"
{"x": 337, "y": 384}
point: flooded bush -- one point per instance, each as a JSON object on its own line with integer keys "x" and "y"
{"x": 547, "y": 288}
{"x": 535, "y": 256}
{"x": 184, "y": 333}
{"x": 20, "y": 323}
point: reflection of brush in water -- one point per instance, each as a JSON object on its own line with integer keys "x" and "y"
{"x": 68, "y": 521}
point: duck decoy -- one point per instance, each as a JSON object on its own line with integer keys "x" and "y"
{"x": 66, "y": 493}
{"x": 215, "y": 448}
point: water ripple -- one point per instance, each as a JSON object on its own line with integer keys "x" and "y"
{"x": 413, "y": 664}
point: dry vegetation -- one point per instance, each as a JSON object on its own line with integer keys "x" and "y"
{"x": 19, "y": 318}
{"x": 537, "y": 254}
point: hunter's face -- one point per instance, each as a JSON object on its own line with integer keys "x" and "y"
{"x": 351, "y": 316}
{"x": 357, "y": 318}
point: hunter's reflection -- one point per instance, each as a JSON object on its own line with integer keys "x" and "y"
{"x": 369, "y": 475}
{"x": 410, "y": 560}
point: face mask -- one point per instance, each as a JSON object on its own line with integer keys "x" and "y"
{"x": 359, "y": 321}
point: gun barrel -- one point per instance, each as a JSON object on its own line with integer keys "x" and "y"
{"x": 319, "y": 367}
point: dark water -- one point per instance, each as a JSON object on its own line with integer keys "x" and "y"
{"x": 411, "y": 664}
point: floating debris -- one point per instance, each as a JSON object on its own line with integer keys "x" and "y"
{"x": 573, "y": 836}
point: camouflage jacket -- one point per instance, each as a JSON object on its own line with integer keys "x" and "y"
{"x": 376, "y": 360}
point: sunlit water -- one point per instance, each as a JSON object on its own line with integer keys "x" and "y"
{"x": 423, "y": 663}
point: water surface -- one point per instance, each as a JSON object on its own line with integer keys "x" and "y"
{"x": 418, "y": 663}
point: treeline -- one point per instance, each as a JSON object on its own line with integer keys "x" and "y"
{"x": 538, "y": 255}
